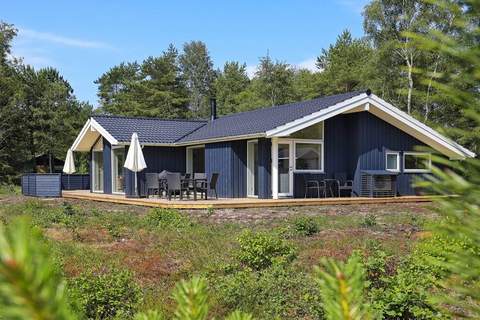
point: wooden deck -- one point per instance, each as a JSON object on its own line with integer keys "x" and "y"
{"x": 236, "y": 203}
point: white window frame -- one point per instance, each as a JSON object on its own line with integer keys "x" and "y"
{"x": 322, "y": 158}
{"x": 112, "y": 167}
{"x": 188, "y": 157}
{"x": 250, "y": 172}
{"x": 398, "y": 160}
{"x": 429, "y": 162}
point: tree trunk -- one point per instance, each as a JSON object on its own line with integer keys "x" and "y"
{"x": 50, "y": 162}
{"x": 429, "y": 87}
{"x": 410, "y": 84}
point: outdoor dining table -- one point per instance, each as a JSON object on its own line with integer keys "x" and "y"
{"x": 189, "y": 182}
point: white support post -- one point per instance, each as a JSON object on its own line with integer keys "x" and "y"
{"x": 275, "y": 168}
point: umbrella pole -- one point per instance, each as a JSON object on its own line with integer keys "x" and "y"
{"x": 136, "y": 188}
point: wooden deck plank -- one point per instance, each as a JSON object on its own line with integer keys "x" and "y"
{"x": 237, "y": 203}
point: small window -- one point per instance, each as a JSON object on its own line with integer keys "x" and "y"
{"x": 313, "y": 132}
{"x": 308, "y": 156}
{"x": 392, "y": 161}
{"x": 417, "y": 162}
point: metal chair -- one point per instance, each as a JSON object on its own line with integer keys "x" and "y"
{"x": 343, "y": 183}
{"x": 204, "y": 186}
{"x": 152, "y": 183}
{"x": 174, "y": 185}
{"x": 312, "y": 184}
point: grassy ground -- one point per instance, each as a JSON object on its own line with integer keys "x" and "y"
{"x": 92, "y": 236}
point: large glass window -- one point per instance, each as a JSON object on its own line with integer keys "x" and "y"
{"x": 118, "y": 160}
{"x": 312, "y": 132}
{"x": 97, "y": 159}
{"x": 308, "y": 156}
{"x": 392, "y": 161}
{"x": 416, "y": 162}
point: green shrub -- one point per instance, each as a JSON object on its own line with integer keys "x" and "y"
{"x": 278, "y": 292}
{"x": 106, "y": 296}
{"x": 68, "y": 209}
{"x": 370, "y": 220}
{"x": 167, "y": 218}
{"x": 305, "y": 226}
{"x": 260, "y": 250}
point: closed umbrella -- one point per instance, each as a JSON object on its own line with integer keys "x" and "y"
{"x": 69, "y": 166}
{"x": 135, "y": 161}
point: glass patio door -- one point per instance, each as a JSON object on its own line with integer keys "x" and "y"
{"x": 118, "y": 179}
{"x": 285, "y": 169}
{"x": 252, "y": 168}
{"x": 97, "y": 159}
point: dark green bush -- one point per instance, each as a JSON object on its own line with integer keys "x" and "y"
{"x": 106, "y": 296}
{"x": 278, "y": 292}
{"x": 260, "y": 250}
{"x": 305, "y": 226}
{"x": 167, "y": 218}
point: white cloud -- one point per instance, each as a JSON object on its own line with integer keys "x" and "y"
{"x": 61, "y": 40}
{"x": 308, "y": 64}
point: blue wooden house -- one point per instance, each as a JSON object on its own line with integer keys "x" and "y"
{"x": 271, "y": 152}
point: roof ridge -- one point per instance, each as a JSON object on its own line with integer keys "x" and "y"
{"x": 146, "y": 118}
{"x": 290, "y": 103}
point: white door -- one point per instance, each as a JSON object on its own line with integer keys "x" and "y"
{"x": 285, "y": 169}
{"x": 252, "y": 168}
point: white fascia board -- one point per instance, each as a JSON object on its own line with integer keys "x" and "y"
{"x": 421, "y": 127}
{"x": 95, "y": 125}
{"x": 304, "y": 122}
{"x": 80, "y": 135}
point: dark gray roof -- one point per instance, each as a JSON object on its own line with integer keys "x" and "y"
{"x": 262, "y": 120}
{"x": 149, "y": 130}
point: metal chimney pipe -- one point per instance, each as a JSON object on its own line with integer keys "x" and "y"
{"x": 213, "y": 109}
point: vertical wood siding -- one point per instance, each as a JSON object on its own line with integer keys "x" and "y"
{"x": 264, "y": 168}
{"x": 107, "y": 167}
{"x": 359, "y": 141}
{"x": 229, "y": 159}
{"x": 157, "y": 159}
{"x": 42, "y": 185}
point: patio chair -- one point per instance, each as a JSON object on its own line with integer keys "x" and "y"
{"x": 343, "y": 183}
{"x": 152, "y": 184}
{"x": 312, "y": 184}
{"x": 174, "y": 185}
{"x": 204, "y": 186}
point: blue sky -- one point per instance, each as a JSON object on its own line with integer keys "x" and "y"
{"x": 83, "y": 39}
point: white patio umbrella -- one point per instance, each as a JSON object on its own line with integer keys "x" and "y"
{"x": 135, "y": 161}
{"x": 69, "y": 166}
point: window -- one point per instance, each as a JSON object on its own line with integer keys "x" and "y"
{"x": 417, "y": 162}
{"x": 392, "y": 161}
{"x": 313, "y": 132}
{"x": 309, "y": 156}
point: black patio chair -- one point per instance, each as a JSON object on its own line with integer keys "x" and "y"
{"x": 312, "y": 184}
{"x": 174, "y": 185}
{"x": 343, "y": 184}
{"x": 203, "y": 186}
{"x": 152, "y": 184}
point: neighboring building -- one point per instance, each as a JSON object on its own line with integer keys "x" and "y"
{"x": 269, "y": 152}
{"x": 45, "y": 163}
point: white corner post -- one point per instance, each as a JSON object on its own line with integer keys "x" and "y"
{"x": 275, "y": 168}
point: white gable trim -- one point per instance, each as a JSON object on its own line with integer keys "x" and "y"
{"x": 92, "y": 125}
{"x": 386, "y": 112}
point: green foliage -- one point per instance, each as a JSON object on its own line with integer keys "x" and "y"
{"x": 279, "y": 291}
{"x": 306, "y": 226}
{"x": 30, "y": 285}
{"x": 192, "y": 299}
{"x": 149, "y": 315}
{"x": 167, "y": 218}
{"x": 105, "y": 296}
{"x": 259, "y": 250}
{"x": 342, "y": 288}
{"x": 370, "y": 220}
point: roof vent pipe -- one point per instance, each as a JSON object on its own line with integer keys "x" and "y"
{"x": 213, "y": 109}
